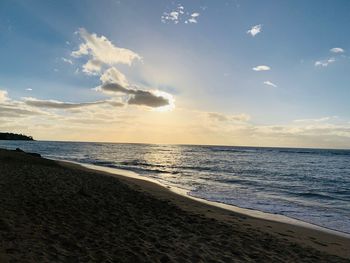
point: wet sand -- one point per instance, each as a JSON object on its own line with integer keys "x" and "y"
{"x": 61, "y": 212}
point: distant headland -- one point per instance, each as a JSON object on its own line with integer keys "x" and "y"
{"x": 13, "y": 136}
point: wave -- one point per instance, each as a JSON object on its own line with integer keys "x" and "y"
{"x": 326, "y": 152}
{"x": 166, "y": 168}
{"x": 321, "y": 196}
{"x": 315, "y": 152}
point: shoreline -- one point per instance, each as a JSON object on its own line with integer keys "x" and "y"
{"x": 320, "y": 238}
{"x": 233, "y": 208}
{"x": 56, "y": 211}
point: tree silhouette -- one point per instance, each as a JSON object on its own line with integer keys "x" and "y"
{"x": 13, "y": 136}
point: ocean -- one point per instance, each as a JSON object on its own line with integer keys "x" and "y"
{"x": 312, "y": 185}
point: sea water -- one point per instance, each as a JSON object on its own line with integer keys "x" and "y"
{"x": 312, "y": 185}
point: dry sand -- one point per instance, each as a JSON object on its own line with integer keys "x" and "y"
{"x": 59, "y": 212}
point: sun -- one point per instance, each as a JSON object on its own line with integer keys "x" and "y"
{"x": 169, "y": 97}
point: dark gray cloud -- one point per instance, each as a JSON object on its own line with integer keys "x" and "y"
{"x": 137, "y": 96}
{"x": 52, "y": 104}
{"x": 115, "y": 87}
{"x": 147, "y": 98}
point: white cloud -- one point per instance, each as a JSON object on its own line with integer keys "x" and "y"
{"x": 102, "y": 51}
{"x": 92, "y": 67}
{"x": 29, "y": 89}
{"x": 337, "y": 50}
{"x": 172, "y": 16}
{"x": 178, "y": 15}
{"x": 269, "y": 83}
{"x": 113, "y": 75}
{"x": 255, "y": 30}
{"x": 324, "y": 63}
{"x": 193, "y": 18}
{"x": 261, "y": 68}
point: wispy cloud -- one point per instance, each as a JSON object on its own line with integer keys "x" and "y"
{"x": 54, "y": 104}
{"x": 269, "y": 83}
{"x": 10, "y": 108}
{"x": 261, "y": 68}
{"x": 173, "y": 16}
{"x": 13, "y": 111}
{"x": 226, "y": 118}
{"x": 192, "y": 19}
{"x": 337, "y": 50}
{"x": 255, "y": 30}
{"x": 69, "y": 61}
{"x": 317, "y": 120}
{"x": 324, "y": 63}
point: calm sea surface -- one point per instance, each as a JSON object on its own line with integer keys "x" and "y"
{"x": 312, "y": 185}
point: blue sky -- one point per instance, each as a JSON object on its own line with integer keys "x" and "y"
{"x": 197, "y": 53}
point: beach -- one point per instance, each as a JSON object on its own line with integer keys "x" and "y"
{"x": 61, "y": 212}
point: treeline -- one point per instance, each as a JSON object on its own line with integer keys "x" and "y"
{"x": 13, "y": 136}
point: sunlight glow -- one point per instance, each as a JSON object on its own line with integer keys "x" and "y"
{"x": 169, "y": 97}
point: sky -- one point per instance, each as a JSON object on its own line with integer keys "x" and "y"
{"x": 228, "y": 72}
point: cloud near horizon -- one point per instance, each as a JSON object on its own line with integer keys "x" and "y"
{"x": 220, "y": 128}
{"x": 54, "y": 104}
{"x": 31, "y": 107}
{"x": 14, "y": 109}
{"x": 224, "y": 117}
{"x": 3, "y": 96}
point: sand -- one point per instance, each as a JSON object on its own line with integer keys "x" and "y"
{"x": 60, "y": 212}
